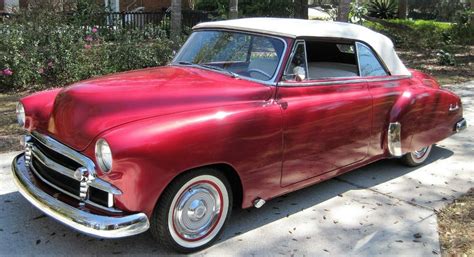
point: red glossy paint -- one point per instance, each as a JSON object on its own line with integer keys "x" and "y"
{"x": 161, "y": 122}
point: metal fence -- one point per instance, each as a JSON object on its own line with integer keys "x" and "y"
{"x": 139, "y": 20}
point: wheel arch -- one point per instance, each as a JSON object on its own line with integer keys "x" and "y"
{"x": 227, "y": 170}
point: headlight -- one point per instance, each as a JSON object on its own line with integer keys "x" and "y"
{"x": 103, "y": 155}
{"x": 20, "y": 114}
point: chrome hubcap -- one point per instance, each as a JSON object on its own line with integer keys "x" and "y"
{"x": 197, "y": 211}
{"x": 420, "y": 153}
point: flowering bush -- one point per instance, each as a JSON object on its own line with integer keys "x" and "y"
{"x": 41, "y": 48}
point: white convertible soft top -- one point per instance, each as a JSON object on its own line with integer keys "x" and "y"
{"x": 297, "y": 28}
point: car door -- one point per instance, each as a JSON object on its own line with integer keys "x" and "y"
{"x": 326, "y": 121}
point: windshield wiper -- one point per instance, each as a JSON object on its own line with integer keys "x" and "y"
{"x": 212, "y": 67}
{"x": 186, "y": 63}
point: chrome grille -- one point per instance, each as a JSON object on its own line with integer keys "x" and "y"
{"x": 55, "y": 164}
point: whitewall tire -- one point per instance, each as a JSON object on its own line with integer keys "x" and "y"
{"x": 416, "y": 158}
{"x": 192, "y": 211}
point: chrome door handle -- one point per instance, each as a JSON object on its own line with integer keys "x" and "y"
{"x": 453, "y": 107}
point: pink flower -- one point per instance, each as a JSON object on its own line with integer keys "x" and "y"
{"x": 89, "y": 38}
{"x": 7, "y": 72}
{"x": 40, "y": 70}
{"x": 50, "y": 64}
{"x": 87, "y": 46}
{"x": 94, "y": 30}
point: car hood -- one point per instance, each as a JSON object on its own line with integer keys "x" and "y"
{"x": 82, "y": 111}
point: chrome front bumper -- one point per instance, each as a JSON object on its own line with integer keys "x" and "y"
{"x": 85, "y": 222}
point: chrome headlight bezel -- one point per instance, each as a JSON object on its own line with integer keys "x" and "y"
{"x": 103, "y": 155}
{"x": 20, "y": 114}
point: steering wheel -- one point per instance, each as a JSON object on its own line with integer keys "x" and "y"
{"x": 259, "y": 71}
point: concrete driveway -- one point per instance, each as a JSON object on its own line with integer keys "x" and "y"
{"x": 382, "y": 209}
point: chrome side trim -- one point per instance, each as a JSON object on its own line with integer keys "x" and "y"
{"x": 85, "y": 222}
{"x": 340, "y": 82}
{"x": 460, "y": 125}
{"x": 112, "y": 210}
{"x": 72, "y": 154}
{"x": 394, "y": 139}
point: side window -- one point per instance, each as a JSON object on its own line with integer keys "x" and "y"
{"x": 297, "y": 68}
{"x": 331, "y": 59}
{"x": 369, "y": 65}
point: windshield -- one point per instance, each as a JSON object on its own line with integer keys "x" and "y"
{"x": 241, "y": 54}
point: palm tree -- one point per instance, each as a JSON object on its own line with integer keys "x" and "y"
{"x": 175, "y": 19}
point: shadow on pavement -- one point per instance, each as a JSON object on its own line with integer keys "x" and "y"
{"x": 28, "y": 231}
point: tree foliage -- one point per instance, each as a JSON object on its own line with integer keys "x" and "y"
{"x": 249, "y": 8}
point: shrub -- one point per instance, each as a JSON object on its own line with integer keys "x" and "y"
{"x": 382, "y": 9}
{"x": 420, "y": 34}
{"x": 445, "y": 58}
{"x": 41, "y": 48}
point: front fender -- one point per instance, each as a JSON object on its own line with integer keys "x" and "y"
{"x": 38, "y": 108}
{"x": 150, "y": 153}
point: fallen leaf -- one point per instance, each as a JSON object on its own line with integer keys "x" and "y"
{"x": 417, "y": 235}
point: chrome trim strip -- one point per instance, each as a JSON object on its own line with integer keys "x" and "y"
{"x": 85, "y": 222}
{"x": 72, "y": 154}
{"x": 51, "y": 164}
{"x": 394, "y": 143}
{"x": 105, "y": 186}
{"x": 339, "y": 82}
{"x": 461, "y": 125}
{"x": 356, "y": 46}
{"x": 112, "y": 210}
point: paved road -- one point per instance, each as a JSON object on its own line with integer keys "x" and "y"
{"x": 375, "y": 210}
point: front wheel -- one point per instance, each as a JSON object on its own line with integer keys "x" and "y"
{"x": 192, "y": 211}
{"x": 416, "y": 158}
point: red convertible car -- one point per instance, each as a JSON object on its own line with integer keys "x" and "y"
{"x": 248, "y": 110}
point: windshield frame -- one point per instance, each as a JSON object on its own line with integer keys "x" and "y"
{"x": 273, "y": 81}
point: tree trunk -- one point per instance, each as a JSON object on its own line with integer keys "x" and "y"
{"x": 301, "y": 9}
{"x": 343, "y": 10}
{"x": 175, "y": 19}
{"x": 233, "y": 9}
{"x": 402, "y": 9}
{"x": 472, "y": 14}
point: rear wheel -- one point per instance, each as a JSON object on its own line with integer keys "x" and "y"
{"x": 416, "y": 158}
{"x": 192, "y": 211}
